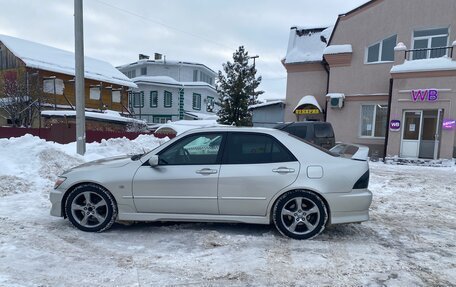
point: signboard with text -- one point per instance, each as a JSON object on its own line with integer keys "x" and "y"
{"x": 430, "y": 95}
{"x": 395, "y": 125}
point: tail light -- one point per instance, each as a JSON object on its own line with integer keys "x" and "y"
{"x": 363, "y": 181}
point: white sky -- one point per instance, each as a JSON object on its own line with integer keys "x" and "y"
{"x": 204, "y": 31}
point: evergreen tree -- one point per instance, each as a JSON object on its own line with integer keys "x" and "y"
{"x": 236, "y": 89}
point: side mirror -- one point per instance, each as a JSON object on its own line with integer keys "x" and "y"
{"x": 153, "y": 161}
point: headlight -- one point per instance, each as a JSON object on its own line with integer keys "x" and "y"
{"x": 59, "y": 181}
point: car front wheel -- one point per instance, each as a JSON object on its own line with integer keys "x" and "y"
{"x": 91, "y": 208}
{"x": 300, "y": 214}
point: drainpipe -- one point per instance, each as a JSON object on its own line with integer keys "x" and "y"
{"x": 390, "y": 96}
{"x": 326, "y": 66}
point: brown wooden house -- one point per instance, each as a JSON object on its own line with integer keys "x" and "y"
{"x": 51, "y": 71}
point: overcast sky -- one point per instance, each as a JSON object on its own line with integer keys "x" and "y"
{"x": 204, "y": 31}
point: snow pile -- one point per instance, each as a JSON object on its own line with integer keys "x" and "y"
{"x": 338, "y": 49}
{"x": 107, "y": 115}
{"x": 48, "y": 58}
{"x": 425, "y": 65}
{"x": 307, "y": 45}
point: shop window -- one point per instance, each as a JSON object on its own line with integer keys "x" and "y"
{"x": 434, "y": 39}
{"x": 373, "y": 120}
{"x": 168, "y": 99}
{"x": 153, "y": 99}
{"x": 382, "y": 51}
{"x": 196, "y": 103}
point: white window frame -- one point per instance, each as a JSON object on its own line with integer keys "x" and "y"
{"x": 366, "y": 53}
{"x": 429, "y": 38}
{"x": 372, "y": 136}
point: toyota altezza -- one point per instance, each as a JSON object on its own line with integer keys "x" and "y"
{"x": 223, "y": 174}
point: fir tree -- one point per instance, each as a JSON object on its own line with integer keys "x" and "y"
{"x": 236, "y": 89}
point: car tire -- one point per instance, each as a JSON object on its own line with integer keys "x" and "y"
{"x": 300, "y": 214}
{"x": 91, "y": 208}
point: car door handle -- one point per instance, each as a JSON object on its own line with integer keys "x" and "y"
{"x": 206, "y": 171}
{"x": 283, "y": 170}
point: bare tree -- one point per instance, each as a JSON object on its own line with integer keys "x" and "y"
{"x": 20, "y": 97}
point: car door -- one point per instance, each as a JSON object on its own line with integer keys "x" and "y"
{"x": 255, "y": 167}
{"x": 185, "y": 180}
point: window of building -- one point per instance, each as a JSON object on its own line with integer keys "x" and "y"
{"x": 116, "y": 96}
{"x": 168, "y": 99}
{"x": 430, "y": 39}
{"x": 138, "y": 99}
{"x": 143, "y": 71}
{"x": 56, "y": 86}
{"x": 382, "y": 51}
{"x": 161, "y": 119}
{"x": 131, "y": 74}
{"x": 153, "y": 99}
{"x": 210, "y": 104}
{"x": 195, "y": 75}
{"x": 373, "y": 120}
{"x": 196, "y": 103}
{"x": 244, "y": 148}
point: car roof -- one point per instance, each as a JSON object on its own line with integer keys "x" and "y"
{"x": 235, "y": 129}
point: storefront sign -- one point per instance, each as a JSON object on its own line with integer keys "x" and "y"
{"x": 307, "y": 111}
{"x": 449, "y": 124}
{"x": 431, "y": 95}
{"x": 395, "y": 125}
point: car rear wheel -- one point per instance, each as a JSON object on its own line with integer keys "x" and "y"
{"x": 91, "y": 208}
{"x": 300, "y": 214}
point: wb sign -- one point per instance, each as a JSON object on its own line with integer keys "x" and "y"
{"x": 431, "y": 95}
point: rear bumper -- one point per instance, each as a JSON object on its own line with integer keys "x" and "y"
{"x": 349, "y": 207}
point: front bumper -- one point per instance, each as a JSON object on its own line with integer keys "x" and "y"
{"x": 56, "y": 197}
{"x": 349, "y": 207}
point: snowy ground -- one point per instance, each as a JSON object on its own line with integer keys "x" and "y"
{"x": 409, "y": 241}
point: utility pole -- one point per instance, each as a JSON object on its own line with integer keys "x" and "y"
{"x": 254, "y": 58}
{"x": 79, "y": 83}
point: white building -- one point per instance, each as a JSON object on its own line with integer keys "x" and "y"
{"x": 171, "y": 90}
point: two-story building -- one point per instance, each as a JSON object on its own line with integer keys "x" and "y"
{"x": 387, "y": 77}
{"x": 171, "y": 90}
{"x": 52, "y": 70}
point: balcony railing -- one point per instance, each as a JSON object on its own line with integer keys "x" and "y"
{"x": 417, "y": 54}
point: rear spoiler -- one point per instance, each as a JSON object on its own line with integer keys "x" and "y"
{"x": 352, "y": 151}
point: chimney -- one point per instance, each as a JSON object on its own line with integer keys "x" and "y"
{"x": 143, "y": 57}
{"x": 158, "y": 56}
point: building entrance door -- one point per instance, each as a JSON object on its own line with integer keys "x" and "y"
{"x": 421, "y": 134}
{"x": 411, "y": 134}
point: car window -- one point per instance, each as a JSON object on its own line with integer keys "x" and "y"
{"x": 193, "y": 149}
{"x": 299, "y": 131}
{"x": 323, "y": 131}
{"x": 245, "y": 148}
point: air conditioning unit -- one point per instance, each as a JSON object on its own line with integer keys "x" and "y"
{"x": 336, "y": 102}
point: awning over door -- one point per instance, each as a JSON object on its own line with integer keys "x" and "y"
{"x": 308, "y": 105}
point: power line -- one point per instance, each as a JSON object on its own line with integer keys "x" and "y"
{"x": 162, "y": 24}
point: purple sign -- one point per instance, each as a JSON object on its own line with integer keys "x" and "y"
{"x": 395, "y": 125}
{"x": 449, "y": 124}
{"x": 432, "y": 95}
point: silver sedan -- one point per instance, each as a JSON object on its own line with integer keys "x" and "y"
{"x": 222, "y": 174}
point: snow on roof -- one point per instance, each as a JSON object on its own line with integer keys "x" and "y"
{"x": 336, "y": 95}
{"x": 43, "y": 57}
{"x": 202, "y": 116}
{"x": 307, "y": 45}
{"x": 186, "y": 125}
{"x": 168, "y": 81}
{"x": 423, "y": 65}
{"x": 308, "y": 100}
{"x": 270, "y": 103}
{"x": 338, "y": 49}
{"x": 107, "y": 115}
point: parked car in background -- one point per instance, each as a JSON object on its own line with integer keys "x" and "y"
{"x": 319, "y": 133}
{"x": 221, "y": 174}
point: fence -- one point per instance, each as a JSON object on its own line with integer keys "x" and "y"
{"x": 63, "y": 133}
